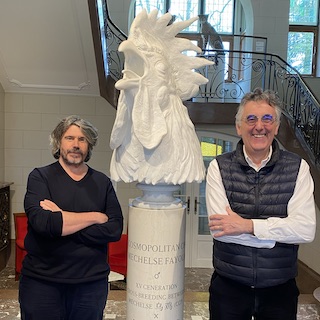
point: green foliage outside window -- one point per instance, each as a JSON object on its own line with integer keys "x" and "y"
{"x": 303, "y": 20}
{"x": 220, "y": 11}
{"x": 220, "y": 15}
{"x": 300, "y": 51}
{"x": 304, "y": 12}
{"x": 149, "y": 5}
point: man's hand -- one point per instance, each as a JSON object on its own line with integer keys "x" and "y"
{"x": 229, "y": 224}
{"x": 75, "y": 221}
{"x": 49, "y": 205}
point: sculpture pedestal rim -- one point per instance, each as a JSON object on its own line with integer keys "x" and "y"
{"x": 159, "y": 196}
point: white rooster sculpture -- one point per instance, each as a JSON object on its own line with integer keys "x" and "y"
{"x": 153, "y": 138}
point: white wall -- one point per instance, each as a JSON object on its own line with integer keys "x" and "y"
{"x": 271, "y": 20}
{"x": 30, "y": 118}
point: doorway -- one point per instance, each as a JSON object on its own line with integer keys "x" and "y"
{"x": 198, "y": 237}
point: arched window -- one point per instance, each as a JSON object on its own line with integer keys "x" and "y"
{"x": 220, "y": 12}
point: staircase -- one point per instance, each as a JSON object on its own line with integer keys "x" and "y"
{"x": 232, "y": 75}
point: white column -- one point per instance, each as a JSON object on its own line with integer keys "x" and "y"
{"x": 156, "y": 256}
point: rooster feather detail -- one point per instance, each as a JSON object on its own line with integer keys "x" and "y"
{"x": 153, "y": 138}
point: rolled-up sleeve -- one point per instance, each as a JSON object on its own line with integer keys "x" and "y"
{"x": 300, "y": 224}
{"x": 217, "y": 201}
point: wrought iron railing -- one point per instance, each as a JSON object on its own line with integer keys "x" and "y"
{"x": 111, "y": 37}
{"x": 233, "y": 74}
{"x": 237, "y": 72}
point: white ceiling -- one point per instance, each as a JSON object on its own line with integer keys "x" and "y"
{"x": 46, "y": 47}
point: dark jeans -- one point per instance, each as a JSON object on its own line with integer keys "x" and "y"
{"x": 43, "y": 300}
{"x": 230, "y": 300}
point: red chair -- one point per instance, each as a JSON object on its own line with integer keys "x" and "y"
{"x": 117, "y": 255}
{"x": 21, "y": 223}
{"x": 117, "y": 251}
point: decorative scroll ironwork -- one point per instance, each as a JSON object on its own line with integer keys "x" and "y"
{"x": 111, "y": 37}
{"x": 237, "y": 72}
{"x": 230, "y": 79}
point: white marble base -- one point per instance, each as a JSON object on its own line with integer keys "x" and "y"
{"x": 156, "y": 259}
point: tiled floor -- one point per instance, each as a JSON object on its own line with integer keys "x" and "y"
{"x": 196, "y": 296}
{"x": 195, "y": 300}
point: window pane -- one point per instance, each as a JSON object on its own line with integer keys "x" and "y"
{"x": 304, "y": 12}
{"x": 149, "y": 5}
{"x": 300, "y": 51}
{"x": 184, "y": 10}
{"x": 220, "y": 15}
{"x": 103, "y": 37}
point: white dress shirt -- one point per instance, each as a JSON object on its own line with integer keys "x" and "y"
{"x": 298, "y": 227}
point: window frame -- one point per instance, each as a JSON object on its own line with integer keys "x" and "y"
{"x": 201, "y": 9}
{"x": 315, "y": 31}
{"x": 312, "y": 28}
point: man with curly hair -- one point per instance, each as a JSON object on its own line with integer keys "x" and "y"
{"x": 73, "y": 213}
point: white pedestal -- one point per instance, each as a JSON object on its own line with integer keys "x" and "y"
{"x": 156, "y": 260}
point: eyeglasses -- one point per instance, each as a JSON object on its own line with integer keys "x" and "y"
{"x": 251, "y": 119}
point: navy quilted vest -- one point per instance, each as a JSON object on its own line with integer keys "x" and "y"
{"x": 258, "y": 195}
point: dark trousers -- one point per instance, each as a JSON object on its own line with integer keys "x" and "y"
{"x": 43, "y": 300}
{"x": 230, "y": 300}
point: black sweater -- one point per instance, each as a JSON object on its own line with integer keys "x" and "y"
{"x": 79, "y": 257}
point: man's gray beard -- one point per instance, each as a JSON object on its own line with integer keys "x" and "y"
{"x": 69, "y": 163}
